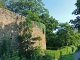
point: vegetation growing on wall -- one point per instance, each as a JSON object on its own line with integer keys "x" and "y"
{"x": 41, "y": 26}
{"x": 25, "y": 40}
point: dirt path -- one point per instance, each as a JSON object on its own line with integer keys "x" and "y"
{"x": 77, "y": 55}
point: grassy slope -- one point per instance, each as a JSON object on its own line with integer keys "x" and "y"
{"x": 68, "y": 57}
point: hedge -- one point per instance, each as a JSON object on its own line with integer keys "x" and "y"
{"x": 53, "y": 53}
{"x": 56, "y": 54}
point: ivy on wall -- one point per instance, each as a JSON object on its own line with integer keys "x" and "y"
{"x": 41, "y": 26}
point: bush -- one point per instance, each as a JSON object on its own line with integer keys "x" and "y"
{"x": 50, "y": 52}
{"x": 63, "y": 51}
{"x": 13, "y": 57}
{"x": 6, "y": 51}
{"x": 69, "y": 50}
{"x": 53, "y": 53}
{"x": 74, "y": 49}
{"x": 56, "y": 54}
{"x": 47, "y": 57}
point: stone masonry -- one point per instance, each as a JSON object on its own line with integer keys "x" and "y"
{"x": 10, "y": 26}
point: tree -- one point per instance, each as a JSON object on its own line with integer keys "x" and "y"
{"x": 2, "y": 4}
{"x": 51, "y": 24}
{"x": 26, "y": 40}
{"x": 66, "y": 36}
{"x": 29, "y": 8}
{"x": 77, "y": 11}
{"x": 76, "y": 22}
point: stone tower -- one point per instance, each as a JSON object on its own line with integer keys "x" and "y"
{"x": 9, "y": 28}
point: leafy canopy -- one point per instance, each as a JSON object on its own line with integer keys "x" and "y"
{"x": 76, "y": 21}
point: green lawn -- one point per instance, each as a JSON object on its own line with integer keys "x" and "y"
{"x": 67, "y": 57}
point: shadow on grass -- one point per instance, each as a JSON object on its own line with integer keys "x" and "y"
{"x": 67, "y": 57}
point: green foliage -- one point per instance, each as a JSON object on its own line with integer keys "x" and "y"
{"x": 3, "y": 48}
{"x": 41, "y": 26}
{"x": 50, "y": 24}
{"x": 56, "y": 54}
{"x": 33, "y": 9}
{"x": 26, "y": 40}
{"x": 35, "y": 53}
{"x": 6, "y": 51}
{"x": 47, "y": 57}
{"x": 10, "y": 54}
{"x": 74, "y": 49}
{"x": 69, "y": 50}
{"x": 64, "y": 51}
{"x": 77, "y": 11}
{"x": 53, "y": 53}
{"x": 14, "y": 56}
{"x": 76, "y": 21}
{"x": 58, "y": 41}
{"x": 8, "y": 57}
{"x": 37, "y": 38}
{"x": 3, "y": 7}
{"x": 68, "y": 32}
{"x": 76, "y": 39}
{"x": 38, "y": 54}
{"x": 6, "y": 47}
{"x": 2, "y": 2}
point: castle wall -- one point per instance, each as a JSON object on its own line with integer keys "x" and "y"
{"x": 10, "y": 23}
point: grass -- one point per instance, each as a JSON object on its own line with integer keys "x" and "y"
{"x": 67, "y": 57}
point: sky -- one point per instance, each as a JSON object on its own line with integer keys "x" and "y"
{"x": 61, "y": 10}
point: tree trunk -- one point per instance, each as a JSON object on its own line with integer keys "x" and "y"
{"x": 79, "y": 29}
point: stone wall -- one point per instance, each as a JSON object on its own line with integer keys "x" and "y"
{"x": 10, "y": 23}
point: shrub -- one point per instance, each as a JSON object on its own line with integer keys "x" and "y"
{"x": 63, "y": 51}
{"x": 74, "y": 49}
{"x": 47, "y": 57}
{"x": 69, "y": 50}
{"x": 5, "y": 47}
{"x": 35, "y": 53}
{"x": 50, "y": 52}
{"x": 56, "y": 54}
{"x": 13, "y": 57}
{"x": 8, "y": 57}
{"x": 6, "y": 51}
{"x": 53, "y": 53}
